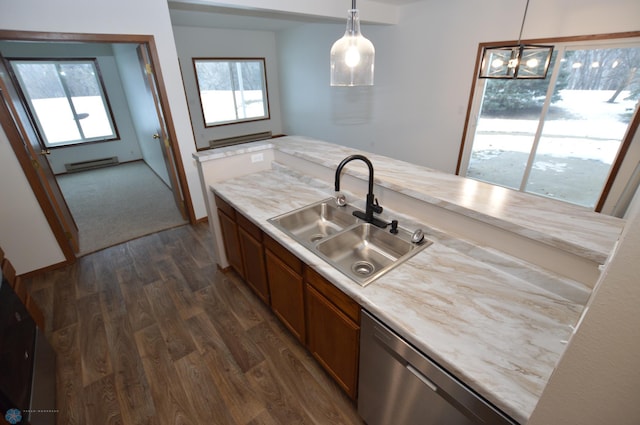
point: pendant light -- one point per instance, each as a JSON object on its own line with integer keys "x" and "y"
{"x": 520, "y": 61}
{"x": 352, "y": 56}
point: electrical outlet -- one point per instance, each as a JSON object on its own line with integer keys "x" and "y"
{"x": 257, "y": 157}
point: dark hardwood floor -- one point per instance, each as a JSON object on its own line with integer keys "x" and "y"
{"x": 150, "y": 332}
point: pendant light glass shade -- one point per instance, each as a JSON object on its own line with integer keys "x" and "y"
{"x": 352, "y": 57}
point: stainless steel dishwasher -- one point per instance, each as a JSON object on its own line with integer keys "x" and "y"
{"x": 400, "y": 386}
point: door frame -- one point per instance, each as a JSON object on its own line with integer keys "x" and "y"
{"x": 35, "y": 150}
{"x": 40, "y": 190}
{"x": 28, "y": 166}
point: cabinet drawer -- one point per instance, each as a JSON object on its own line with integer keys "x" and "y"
{"x": 333, "y": 294}
{"x": 249, "y": 227}
{"x": 224, "y": 206}
{"x": 288, "y": 258}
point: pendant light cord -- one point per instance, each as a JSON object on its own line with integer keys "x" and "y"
{"x": 521, "y": 26}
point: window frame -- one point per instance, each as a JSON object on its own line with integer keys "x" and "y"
{"x": 32, "y": 110}
{"x": 265, "y": 89}
{"x": 475, "y": 101}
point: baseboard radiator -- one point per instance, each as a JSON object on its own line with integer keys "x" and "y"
{"x": 228, "y": 141}
{"x": 91, "y": 164}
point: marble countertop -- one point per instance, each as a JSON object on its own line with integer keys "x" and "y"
{"x": 495, "y": 331}
{"x": 486, "y": 317}
{"x": 571, "y": 228}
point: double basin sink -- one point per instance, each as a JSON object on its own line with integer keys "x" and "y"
{"x": 356, "y": 248}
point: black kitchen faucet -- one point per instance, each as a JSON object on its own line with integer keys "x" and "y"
{"x": 372, "y": 205}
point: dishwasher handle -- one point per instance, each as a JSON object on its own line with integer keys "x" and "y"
{"x": 438, "y": 380}
{"x": 456, "y": 403}
{"x": 421, "y": 377}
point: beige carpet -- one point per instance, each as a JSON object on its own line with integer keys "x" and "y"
{"x": 116, "y": 204}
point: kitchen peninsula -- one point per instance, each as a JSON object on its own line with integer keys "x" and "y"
{"x": 492, "y": 300}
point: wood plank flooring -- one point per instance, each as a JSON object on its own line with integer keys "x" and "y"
{"x": 150, "y": 332}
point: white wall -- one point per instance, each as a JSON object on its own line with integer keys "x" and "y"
{"x": 25, "y": 235}
{"x": 424, "y": 69}
{"x": 598, "y": 378}
{"x": 112, "y": 17}
{"x": 126, "y": 148}
{"x": 223, "y": 43}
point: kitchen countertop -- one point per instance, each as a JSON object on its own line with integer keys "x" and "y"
{"x": 480, "y": 314}
{"x": 571, "y": 228}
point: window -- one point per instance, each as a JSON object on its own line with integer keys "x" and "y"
{"x": 67, "y": 100}
{"x": 560, "y": 136}
{"x": 232, "y": 90}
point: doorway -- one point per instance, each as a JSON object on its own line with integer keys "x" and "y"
{"x": 145, "y": 143}
{"x": 118, "y": 203}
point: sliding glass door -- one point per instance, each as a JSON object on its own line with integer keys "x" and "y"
{"x": 557, "y": 137}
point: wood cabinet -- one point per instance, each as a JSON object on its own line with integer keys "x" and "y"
{"x": 255, "y": 269}
{"x": 317, "y": 313}
{"x": 286, "y": 287}
{"x": 333, "y": 330}
{"x": 244, "y": 249}
{"x": 229, "y": 227}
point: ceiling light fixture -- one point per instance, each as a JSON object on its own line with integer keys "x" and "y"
{"x": 521, "y": 61}
{"x": 353, "y": 56}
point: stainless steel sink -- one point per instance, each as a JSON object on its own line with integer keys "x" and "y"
{"x": 314, "y": 222}
{"x": 364, "y": 252}
{"x": 359, "y": 250}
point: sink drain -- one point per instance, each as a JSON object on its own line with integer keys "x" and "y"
{"x": 316, "y": 237}
{"x": 362, "y": 268}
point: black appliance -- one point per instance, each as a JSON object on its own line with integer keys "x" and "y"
{"x": 27, "y": 363}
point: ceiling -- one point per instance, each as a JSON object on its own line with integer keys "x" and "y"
{"x": 205, "y": 13}
{"x": 198, "y": 15}
{"x": 396, "y": 2}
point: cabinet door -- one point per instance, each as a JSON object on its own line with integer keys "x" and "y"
{"x": 231, "y": 242}
{"x": 254, "y": 264}
{"x": 333, "y": 339}
{"x": 287, "y": 294}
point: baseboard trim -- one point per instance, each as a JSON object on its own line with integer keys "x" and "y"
{"x": 225, "y": 270}
{"x": 52, "y": 267}
{"x": 200, "y": 220}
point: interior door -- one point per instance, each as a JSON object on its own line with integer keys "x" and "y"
{"x": 161, "y": 136}
{"x": 34, "y": 148}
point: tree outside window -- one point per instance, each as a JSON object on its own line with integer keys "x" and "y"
{"x": 558, "y": 137}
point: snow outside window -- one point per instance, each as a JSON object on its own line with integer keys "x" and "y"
{"x": 232, "y": 90}
{"x": 556, "y": 137}
{"x": 67, "y": 99}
